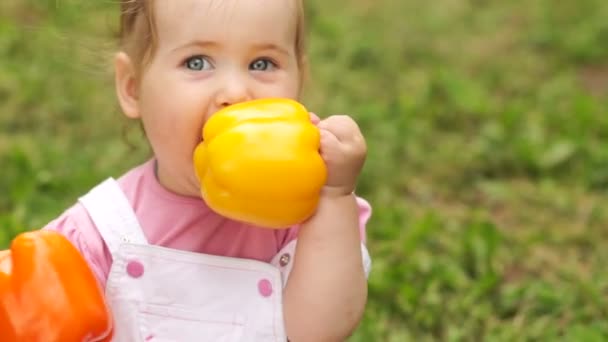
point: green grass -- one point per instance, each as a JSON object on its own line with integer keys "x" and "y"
{"x": 487, "y": 125}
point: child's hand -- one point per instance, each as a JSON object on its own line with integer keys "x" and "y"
{"x": 343, "y": 149}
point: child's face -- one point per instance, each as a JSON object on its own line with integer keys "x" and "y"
{"x": 211, "y": 54}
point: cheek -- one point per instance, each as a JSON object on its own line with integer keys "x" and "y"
{"x": 288, "y": 88}
{"x": 296, "y": 84}
{"x": 173, "y": 130}
{"x": 174, "y": 109}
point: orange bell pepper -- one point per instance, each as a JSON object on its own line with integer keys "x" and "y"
{"x": 49, "y": 294}
{"x": 259, "y": 163}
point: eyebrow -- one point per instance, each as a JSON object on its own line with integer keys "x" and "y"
{"x": 199, "y": 43}
{"x": 212, "y": 44}
{"x": 270, "y": 46}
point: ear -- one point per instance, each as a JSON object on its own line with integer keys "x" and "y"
{"x": 126, "y": 85}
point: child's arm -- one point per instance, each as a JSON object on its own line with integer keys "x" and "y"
{"x": 326, "y": 292}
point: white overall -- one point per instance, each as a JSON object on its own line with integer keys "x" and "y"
{"x": 158, "y": 294}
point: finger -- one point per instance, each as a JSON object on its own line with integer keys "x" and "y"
{"x": 342, "y": 126}
{"x": 314, "y": 118}
{"x": 329, "y": 143}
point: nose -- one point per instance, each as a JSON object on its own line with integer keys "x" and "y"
{"x": 233, "y": 88}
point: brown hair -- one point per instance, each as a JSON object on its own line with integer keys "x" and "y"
{"x": 138, "y": 36}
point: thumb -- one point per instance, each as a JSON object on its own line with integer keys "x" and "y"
{"x": 314, "y": 118}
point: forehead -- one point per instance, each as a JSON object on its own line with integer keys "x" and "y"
{"x": 180, "y": 22}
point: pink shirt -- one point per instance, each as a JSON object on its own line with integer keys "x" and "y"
{"x": 178, "y": 222}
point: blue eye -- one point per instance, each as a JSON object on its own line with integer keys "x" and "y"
{"x": 197, "y": 63}
{"x": 261, "y": 64}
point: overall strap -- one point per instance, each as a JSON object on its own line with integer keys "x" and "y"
{"x": 113, "y": 216}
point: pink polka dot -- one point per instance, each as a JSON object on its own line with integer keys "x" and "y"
{"x": 135, "y": 269}
{"x": 265, "y": 287}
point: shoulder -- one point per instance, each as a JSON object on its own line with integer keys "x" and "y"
{"x": 76, "y": 222}
{"x": 364, "y": 210}
{"x": 365, "y": 213}
{"x": 76, "y": 225}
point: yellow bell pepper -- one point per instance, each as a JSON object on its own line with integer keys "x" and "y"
{"x": 259, "y": 163}
{"x": 48, "y": 293}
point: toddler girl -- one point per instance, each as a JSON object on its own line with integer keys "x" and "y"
{"x": 174, "y": 270}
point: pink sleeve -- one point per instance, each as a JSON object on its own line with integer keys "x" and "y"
{"x": 77, "y": 227}
{"x": 365, "y": 212}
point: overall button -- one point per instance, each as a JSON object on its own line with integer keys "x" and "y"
{"x": 284, "y": 260}
{"x": 135, "y": 269}
{"x": 265, "y": 287}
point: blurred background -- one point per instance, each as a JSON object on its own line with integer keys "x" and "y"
{"x": 487, "y": 128}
